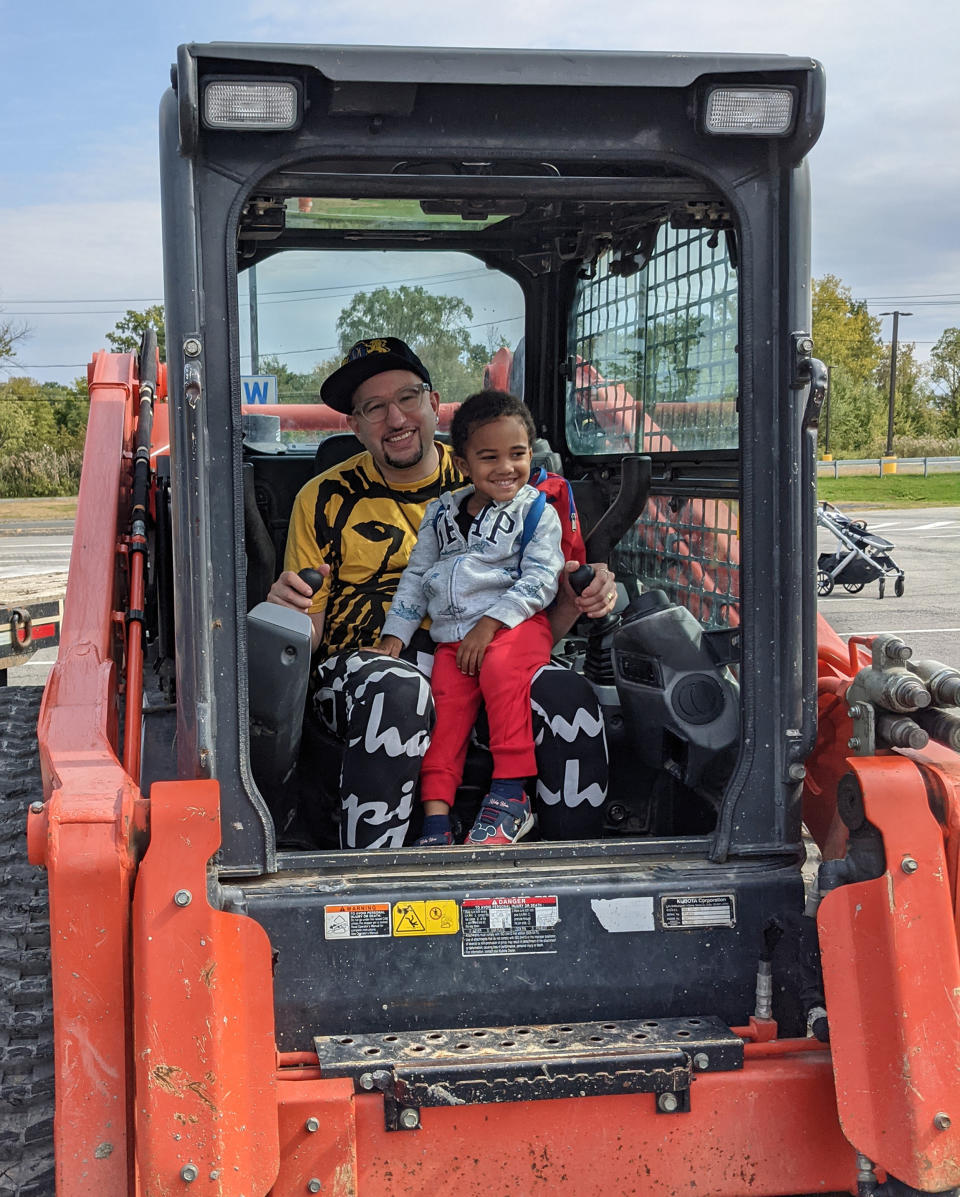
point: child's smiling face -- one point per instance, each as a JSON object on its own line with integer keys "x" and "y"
{"x": 497, "y": 458}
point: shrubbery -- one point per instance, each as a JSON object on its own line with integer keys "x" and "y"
{"x": 917, "y": 446}
{"x": 912, "y": 447}
{"x": 40, "y": 472}
{"x": 42, "y": 428}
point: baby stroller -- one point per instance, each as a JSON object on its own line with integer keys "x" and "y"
{"x": 860, "y": 556}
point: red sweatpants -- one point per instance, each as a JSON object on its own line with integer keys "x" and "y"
{"x": 512, "y": 658}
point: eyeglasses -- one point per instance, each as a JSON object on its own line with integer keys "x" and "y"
{"x": 374, "y": 411}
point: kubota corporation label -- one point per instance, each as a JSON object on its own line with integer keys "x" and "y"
{"x": 509, "y": 926}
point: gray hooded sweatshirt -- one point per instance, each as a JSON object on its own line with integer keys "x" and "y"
{"x": 456, "y": 581}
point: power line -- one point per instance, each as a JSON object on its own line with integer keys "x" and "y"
{"x": 281, "y": 353}
{"x": 918, "y": 295}
{"x": 332, "y": 292}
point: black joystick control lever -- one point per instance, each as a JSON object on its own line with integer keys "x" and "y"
{"x": 580, "y": 579}
{"x": 312, "y": 577}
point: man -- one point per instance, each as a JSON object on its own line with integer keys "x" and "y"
{"x": 356, "y": 525}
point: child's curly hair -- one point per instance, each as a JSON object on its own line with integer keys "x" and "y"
{"x": 481, "y": 409}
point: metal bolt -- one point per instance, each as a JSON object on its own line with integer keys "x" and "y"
{"x": 909, "y": 865}
{"x": 942, "y": 1121}
{"x": 189, "y": 1172}
{"x": 668, "y": 1102}
{"x": 853, "y": 742}
{"x": 382, "y": 1078}
{"x": 191, "y": 347}
{"x": 409, "y": 1118}
{"x": 854, "y": 711}
{"x": 797, "y": 772}
{"x": 701, "y": 1060}
{"x": 312, "y": 1125}
{"x": 183, "y": 897}
{"x": 366, "y": 1081}
{"x": 36, "y": 808}
{"x": 314, "y": 1185}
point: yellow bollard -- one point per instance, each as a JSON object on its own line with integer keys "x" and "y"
{"x": 888, "y": 465}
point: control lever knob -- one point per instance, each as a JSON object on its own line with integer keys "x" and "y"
{"x": 580, "y": 579}
{"x": 312, "y": 577}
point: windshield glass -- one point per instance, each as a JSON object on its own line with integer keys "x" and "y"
{"x": 301, "y": 310}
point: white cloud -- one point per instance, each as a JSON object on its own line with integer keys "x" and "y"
{"x": 96, "y": 251}
{"x": 885, "y": 174}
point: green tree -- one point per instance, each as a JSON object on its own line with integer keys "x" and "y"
{"x": 847, "y": 339}
{"x": 26, "y": 417}
{"x": 434, "y": 326}
{"x": 844, "y": 332}
{"x": 293, "y": 387}
{"x": 70, "y": 407}
{"x": 128, "y": 331}
{"x": 665, "y": 364}
{"x": 945, "y": 371}
{"x": 913, "y": 413}
{"x": 858, "y": 419}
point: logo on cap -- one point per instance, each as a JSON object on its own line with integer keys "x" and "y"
{"x": 362, "y": 348}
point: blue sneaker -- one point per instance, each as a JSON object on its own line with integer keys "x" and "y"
{"x": 439, "y": 839}
{"x": 501, "y": 821}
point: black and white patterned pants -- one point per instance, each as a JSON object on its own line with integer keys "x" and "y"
{"x": 381, "y": 709}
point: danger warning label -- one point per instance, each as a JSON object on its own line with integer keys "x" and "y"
{"x": 509, "y": 926}
{"x": 356, "y": 922}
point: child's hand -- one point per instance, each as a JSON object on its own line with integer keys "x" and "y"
{"x": 474, "y": 645}
{"x": 390, "y": 646}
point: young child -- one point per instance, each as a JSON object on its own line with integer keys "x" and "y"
{"x": 486, "y": 564}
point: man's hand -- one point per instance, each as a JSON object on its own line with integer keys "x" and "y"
{"x": 474, "y": 645}
{"x": 598, "y": 599}
{"x": 600, "y": 596}
{"x": 390, "y": 646}
{"x": 290, "y": 590}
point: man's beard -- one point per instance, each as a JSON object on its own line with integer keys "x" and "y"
{"x": 406, "y": 464}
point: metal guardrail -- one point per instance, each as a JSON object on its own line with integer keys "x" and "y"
{"x": 902, "y": 465}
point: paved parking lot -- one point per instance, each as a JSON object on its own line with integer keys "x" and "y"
{"x": 927, "y": 547}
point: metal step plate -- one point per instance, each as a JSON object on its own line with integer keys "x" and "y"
{"x": 475, "y": 1065}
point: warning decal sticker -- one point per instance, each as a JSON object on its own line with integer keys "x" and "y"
{"x": 698, "y": 910}
{"x": 356, "y": 922}
{"x": 426, "y": 918}
{"x": 509, "y": 926}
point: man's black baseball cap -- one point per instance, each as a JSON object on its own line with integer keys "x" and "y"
{"x": 365, "y": 359}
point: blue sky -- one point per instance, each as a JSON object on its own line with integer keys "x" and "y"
{"x": 79, "y": 195}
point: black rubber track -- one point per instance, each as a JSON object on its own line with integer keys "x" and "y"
{"x": 26, "y": 1007}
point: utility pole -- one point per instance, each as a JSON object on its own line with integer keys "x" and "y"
{"x": 826, "y": 418}
{"x": 893, "y": 376}
{"x": 254, "y": 328}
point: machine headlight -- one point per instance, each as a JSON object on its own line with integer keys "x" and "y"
{"x": 761, "y": 111}
{"x": 260, "y": 104}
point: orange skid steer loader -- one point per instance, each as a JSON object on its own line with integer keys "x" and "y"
{"x": 745, "y": 980}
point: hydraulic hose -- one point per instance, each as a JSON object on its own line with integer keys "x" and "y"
{"x": 133, "y": 714}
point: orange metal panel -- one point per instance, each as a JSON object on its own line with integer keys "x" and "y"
{"x": 318, "y": 1138}
{"x": 91, "y": 827}
{"x": 204, "y": 1049}
{"x": 892, "y": 979}
{"x": 770, "y": 1129}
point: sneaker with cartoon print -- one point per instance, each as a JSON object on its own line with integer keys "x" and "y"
{"x": 501, "y": 821}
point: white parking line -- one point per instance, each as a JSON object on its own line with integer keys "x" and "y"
{"x": 901, "y": 632}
